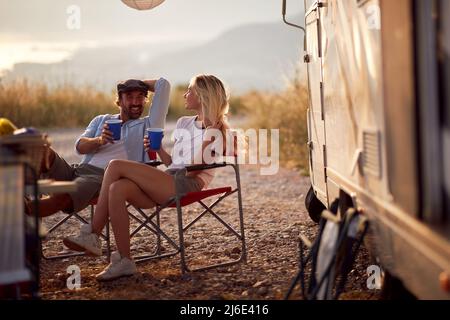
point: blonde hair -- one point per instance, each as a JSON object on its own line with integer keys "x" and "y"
{"x": 213, "y": 98}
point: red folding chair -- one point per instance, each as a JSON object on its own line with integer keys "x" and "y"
{"x": 152, "y": 221}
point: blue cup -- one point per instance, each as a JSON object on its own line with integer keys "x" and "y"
{"x": 155, "y": 135}
{"x": 115, "y": 126}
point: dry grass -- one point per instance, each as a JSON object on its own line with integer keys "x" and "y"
{"x": 31, "y": 104}
{"x": 286, "y": 111}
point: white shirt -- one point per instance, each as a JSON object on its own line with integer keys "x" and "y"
{"x": 187, "y": 150}
{"x": 107, "y": 152}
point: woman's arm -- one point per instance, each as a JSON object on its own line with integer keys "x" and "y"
{"x": 165, "y": 157}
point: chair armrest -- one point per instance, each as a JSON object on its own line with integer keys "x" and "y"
{"x": 154, "y": 163}
{"x": 205, "y": 167}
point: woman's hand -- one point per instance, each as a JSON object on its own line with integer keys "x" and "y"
{"x": 147, "y": 145}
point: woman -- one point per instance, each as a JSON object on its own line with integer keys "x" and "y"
{"x": 144, "y": 186}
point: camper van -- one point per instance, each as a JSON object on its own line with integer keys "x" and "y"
{"x": 379, "y": 129}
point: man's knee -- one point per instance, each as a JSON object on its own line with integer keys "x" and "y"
{"x": 48, "y": 160}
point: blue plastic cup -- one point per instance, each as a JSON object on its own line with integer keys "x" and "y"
{"x": 155, "y": 135}
{"x": 115, "y": 126}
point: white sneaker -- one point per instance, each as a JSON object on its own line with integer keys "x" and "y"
{"x": 86, "y": 241}
{"x": 119, "y": 267}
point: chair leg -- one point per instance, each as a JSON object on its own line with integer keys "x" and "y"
{"x": 241, "y": 223}
{"x": 53, "y": 228}
{"x": 158, "y": 236}
{"x": 82, "y": 220}
{"x": 184, "y": 267}
{"x": 155, "y": 228}
{"x": 241, "y": 211}
{"x": 241, "y": 237}
{"x": 108, "y": 242}
{"x": 61, "y": 256}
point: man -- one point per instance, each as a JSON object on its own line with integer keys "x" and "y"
{"x": 99, "y": 148}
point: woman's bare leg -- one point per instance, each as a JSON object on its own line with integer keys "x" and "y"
{"x": 156, "y": 184}
{"x": 121, "y": 192}
{"x": 100, "y": 218}
{"x": 101, "y": 213}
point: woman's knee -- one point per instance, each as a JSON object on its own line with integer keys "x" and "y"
{"x": 115, "y": 168}
{"x": 115, "y": 165}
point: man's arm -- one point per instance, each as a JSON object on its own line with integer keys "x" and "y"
{"x": 151, "y": 84}
{"x": 88, "y": 143}
{"x": 160, "y": 103}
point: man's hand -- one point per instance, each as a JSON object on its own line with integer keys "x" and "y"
{"x": 91, "y": 145}
{"x": 106, "y": 137}
{"x": 151, "y": 84}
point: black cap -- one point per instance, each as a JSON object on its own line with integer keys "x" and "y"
{"x": 132, "y": 85}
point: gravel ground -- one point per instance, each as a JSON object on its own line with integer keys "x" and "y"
{"x": 274, "y": 216}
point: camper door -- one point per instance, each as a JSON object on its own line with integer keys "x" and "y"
{"x": 316, "y": 133}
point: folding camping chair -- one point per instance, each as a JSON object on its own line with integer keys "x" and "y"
{"x": 77, "y": 216}
{"x": 179, "y": 201}
{"x": 331, "y": 256}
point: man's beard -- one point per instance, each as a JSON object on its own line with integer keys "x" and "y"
{"x": 137, "y": 114}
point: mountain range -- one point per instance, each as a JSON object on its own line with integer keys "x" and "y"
{"x": 250, "y": 57}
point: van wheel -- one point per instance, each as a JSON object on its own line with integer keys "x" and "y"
{"x": 314, "y": 206}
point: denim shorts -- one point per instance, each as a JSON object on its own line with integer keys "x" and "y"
{"x": 185, "y": 184}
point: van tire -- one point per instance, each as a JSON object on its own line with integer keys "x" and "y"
{"x": 314, "y": 206}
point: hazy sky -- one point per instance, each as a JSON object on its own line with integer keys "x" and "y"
{"x": 36, "y": 30}
{"x": 46, "y": 20}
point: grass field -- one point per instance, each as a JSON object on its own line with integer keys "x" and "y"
{"x": 30, "y": 104}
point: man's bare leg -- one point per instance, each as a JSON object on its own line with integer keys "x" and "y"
{"x": 55, "y": 203}
{"x": 51, "y": 205}
{"x": 48, "y": 159}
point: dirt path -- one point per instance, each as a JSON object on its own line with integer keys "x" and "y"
{"x": 274, "y": 216}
